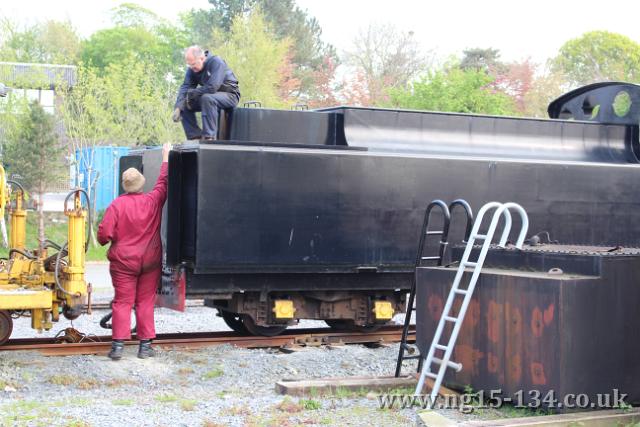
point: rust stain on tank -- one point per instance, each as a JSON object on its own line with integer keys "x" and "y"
{"x": 493, "y": 321}
{"x": 515, "y": 318}
{"x": 515, "y": 368}
{"x": 492, "y": 363}
{"x": 548, "y": 314}
{"x": 537, "y": 374}
{"x": 474, "y": 312}
{"x": 435, "y": 307}
{"x": 537, "y": 322}
{"x": 469, "y": 357}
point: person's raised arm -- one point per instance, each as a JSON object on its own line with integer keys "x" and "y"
{"x": 159, "y": 192}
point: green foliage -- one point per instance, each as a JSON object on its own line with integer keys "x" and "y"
{"x": 310, "y": 404}
{"x": 35, "y": 152}
{"x": 255, "y": 56}
{"x": 130, "y": 104}
{"x": 455, "y": 90}
{"x": 214, "y": 373}
{"x": 198, "y": 26}
{"x": 11, "y": 109}
{"x": 50, "y": 42}
{"x": 138, "y": 34}
{"x": 480, "y": 59}
{"x": 599, "y": 56}
{"x": 286, "y": 21}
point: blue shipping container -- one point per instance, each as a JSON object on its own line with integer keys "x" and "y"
{"x": 101, "y": 163}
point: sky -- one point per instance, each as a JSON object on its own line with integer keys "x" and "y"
{"x": 519, "y": 30}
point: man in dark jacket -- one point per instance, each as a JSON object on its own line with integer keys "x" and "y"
{"x": 209, "y": 85}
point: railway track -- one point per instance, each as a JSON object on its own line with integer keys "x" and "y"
{"x": 291, "y": 339}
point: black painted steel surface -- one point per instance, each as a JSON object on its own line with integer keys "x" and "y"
{"x": 532, "y": 328}
{"x": 343, "y": 194}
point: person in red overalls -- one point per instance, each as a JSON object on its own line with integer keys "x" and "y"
{"x": 132, "y": 224}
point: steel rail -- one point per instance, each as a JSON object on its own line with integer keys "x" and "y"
{"x": 175, "y": 341}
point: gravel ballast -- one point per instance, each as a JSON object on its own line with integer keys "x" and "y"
{"x": 214, "y": 386}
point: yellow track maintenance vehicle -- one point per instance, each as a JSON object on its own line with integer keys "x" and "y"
{"x": 36, "y": 282}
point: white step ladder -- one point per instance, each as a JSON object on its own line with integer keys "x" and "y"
{"x": 501, "y": 209}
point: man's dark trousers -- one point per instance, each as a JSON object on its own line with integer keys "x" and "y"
{"x": 210, "y": 104}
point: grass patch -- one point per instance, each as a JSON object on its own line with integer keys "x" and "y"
{"x": 123, "y": 402}
{"x": 27, "y": 412}
{"x": 118, "y": 382}
{"x": 345, "y": 393}
{"x": 88, "y": 384}
{"x": 310, "y": 404}
{"x": 166, "y": 398}
{"x": 63, "y": 380}
{"x": 188, "y": 404}
{"x": 289, "y": 406}
{"x": 214, "y": 373}
{"x": 237, "y": 411}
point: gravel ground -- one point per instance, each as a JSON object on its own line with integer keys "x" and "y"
{"x": 215, "y": 386}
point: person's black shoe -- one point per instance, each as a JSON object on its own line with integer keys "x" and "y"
{"x": 194, "y": 138}
{"x": 117, "y": 347}
{"x": 145, "y": 349}
{"x": 208, "y": 138}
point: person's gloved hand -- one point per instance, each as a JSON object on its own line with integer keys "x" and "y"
{"x": 176, "y": 116}
{"x": 192, "y": 99}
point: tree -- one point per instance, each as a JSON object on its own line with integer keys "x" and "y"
{"x": 545, "y": 87}
{"x": 255, "y": 56}
{"x": 50, "y": 42}
{"x": 455, "y": 90}
{"x": 480, "y": 59}
{"x": 515, "y": 79}
{"x": 598, "y": 56}
{"x": 140, "y": 34}
{"x": 309, "y": 55}
{"x": 36, "y": 154}
{"x": 388, "y": 58}
{"x": 198, "y": 25}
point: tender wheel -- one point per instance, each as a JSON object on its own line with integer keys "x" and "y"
{"x": 348, "y": 325}
{"x": 6, "y": 326}
{"x": 234, "y": 321}
{"x": 265, "y": 331}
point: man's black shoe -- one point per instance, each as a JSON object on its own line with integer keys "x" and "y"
{"x": 145, "y": 349}
{"x": 117, "y": 347}
{"x": 209, "y": 138}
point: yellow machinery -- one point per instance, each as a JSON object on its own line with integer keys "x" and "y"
{"x": 34, "y": 281}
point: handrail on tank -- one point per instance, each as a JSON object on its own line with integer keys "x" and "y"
{"x": 468, "y": 212}
{"x": 503, "y": 210}
{"x": 445, "y": 229}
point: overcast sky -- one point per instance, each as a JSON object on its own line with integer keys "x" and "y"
{"x": 519, "y": 30}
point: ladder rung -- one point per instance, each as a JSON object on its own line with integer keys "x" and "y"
{"x": 470, "y": 264}
{"x": 461, "y": 291}
{"x": 434, "y": 233}
{"x": 450, "y": 319}
{"x": 479, "y": 236}
{"x": 431, "y": 375}
{"x": 453, "y": 365}
{"x": 425, "y": 258}
{"x": 441, "y": 347}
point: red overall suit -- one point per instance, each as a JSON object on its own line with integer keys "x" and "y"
{"x": 132, "y": 224}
